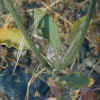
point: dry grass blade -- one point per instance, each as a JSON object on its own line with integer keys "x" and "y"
{"x": 34, "y": 76}
{"x": 76, "y": 94}
{"x": 51, "y": 5}
{"x": 19, "y": 53}
{"x": 94, "y": 66}
{"x": 45, "y": 12}
{"x": 82, "y": 3}
{"x": 57, "y": 15}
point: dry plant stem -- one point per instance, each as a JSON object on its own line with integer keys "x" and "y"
{"x": 48, "y": 2}
{"x": 19, "y": 53}
{"x": 11, "y": 9}
{"x": 31, "y": 82}
{"x": 51, "y": 5}
{"x": 79, "y": 5}
{"x": 45, "y": 11}
{"x": 76, "y": 94}
{"x": 72, "y": 66}
{"x": 98, "y": 62}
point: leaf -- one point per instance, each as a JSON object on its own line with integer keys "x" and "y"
{"x": 77, "y": 41}
{"x": 38, "y": 15}
{"x": 54, "y": 35}
{"x": 41, "y": 22}
{"x": 48, "y": 27}
{"x": 50, "y": 32}
{"x": 11, "y": 37}
{"x": 76, "y": 80}
{"x": 44, "y": 26}
{"x": 73, "y": 50}
{"x": 76, "y": 27}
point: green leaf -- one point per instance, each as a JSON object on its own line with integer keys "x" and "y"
{"x": 44, "y": 26}
{"x": 78, "y": 37}
{"x": 76, "y": 80}
{"x": 38, "y": 15}
{"x": 48, "y": 27}
{"x": 54, "y": 35}
{"x": 49, "y": 31}
{"x": 54, "y": 39}
{"x": 76, "y": 27}
{"x": 75, "y": 40}
{"x": 41, "y": 22}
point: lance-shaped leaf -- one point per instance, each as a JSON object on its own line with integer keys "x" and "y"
{"x": 48, "y": 27}
{"x": 41, "y": 22}
{"x": 44, "y": 26}
{"x": 75, "y": 45}
{"x": 76, "y": 27}
{"x": 75, "y": 41}
{"x": 54, "y": 35}
{"x": 38, "y": 16}
{"x": 76, "y": 80}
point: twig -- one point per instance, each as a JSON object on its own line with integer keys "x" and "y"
{"x": 93, "y": 67}
{"x": 45, "y": 11}
{"x": 56, "y": 14}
